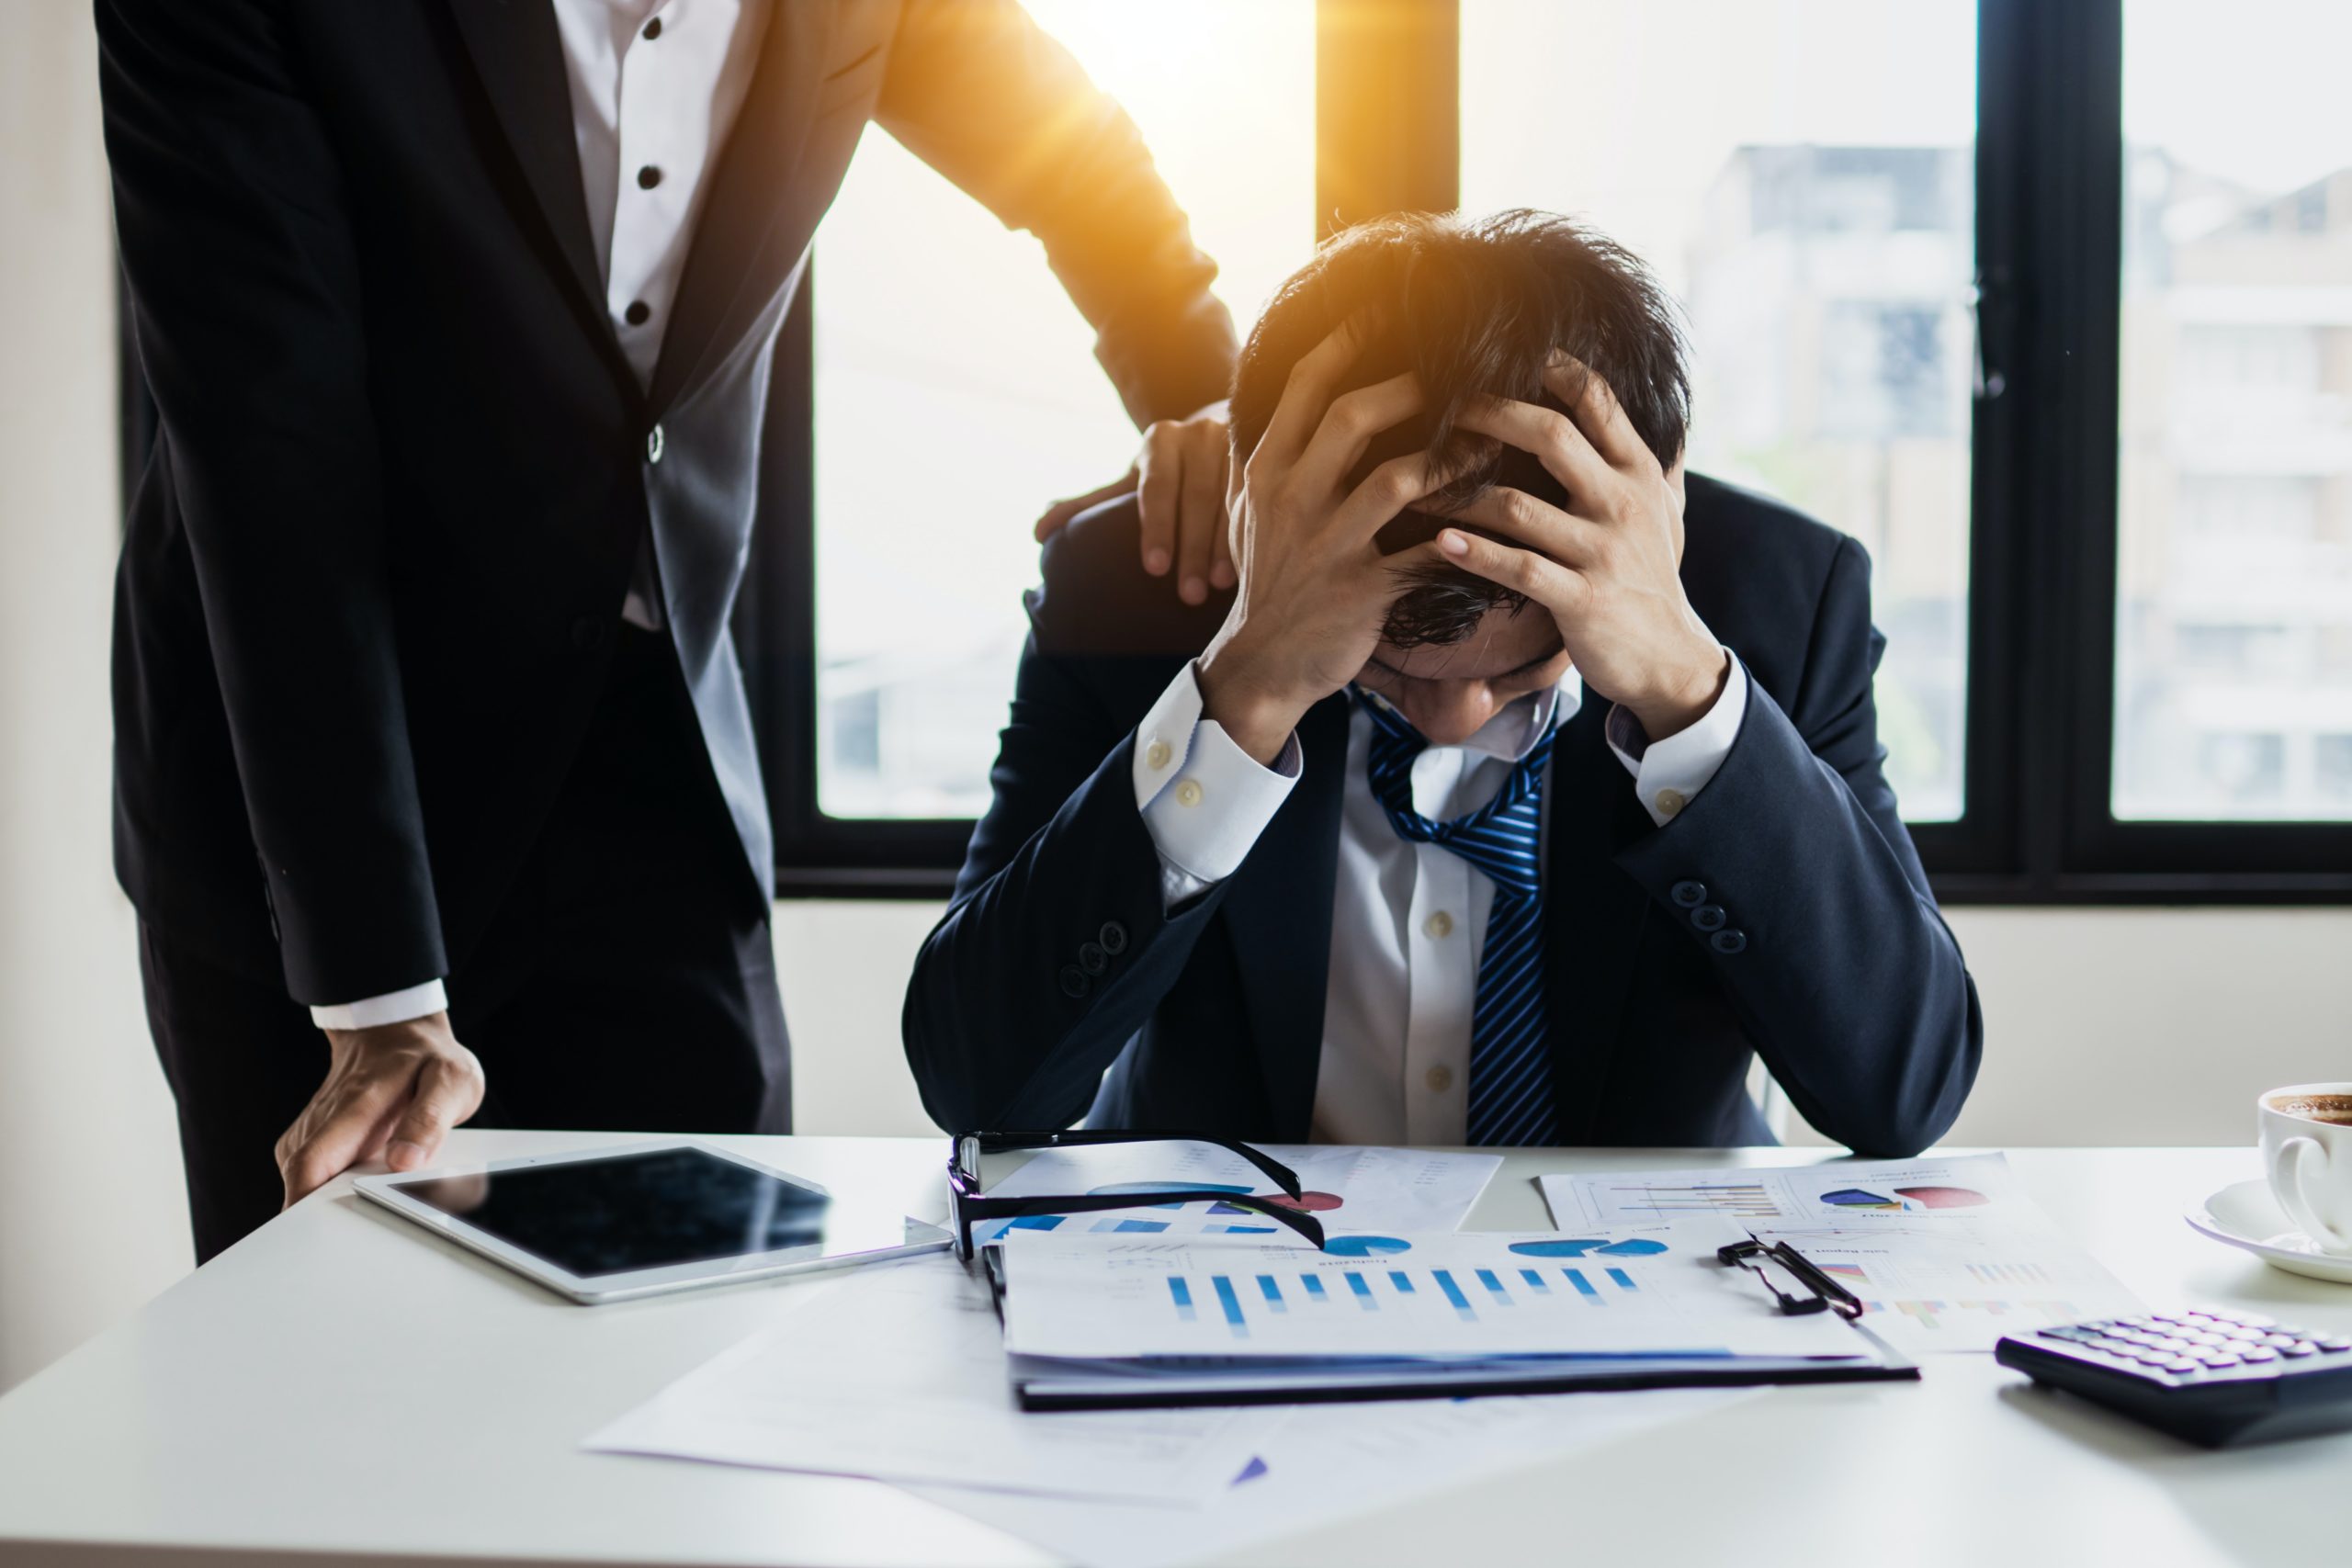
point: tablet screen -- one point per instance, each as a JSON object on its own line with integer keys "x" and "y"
{"x": 622, "y": 1213}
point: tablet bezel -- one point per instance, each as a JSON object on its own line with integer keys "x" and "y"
{"x": 386, "y": 1190}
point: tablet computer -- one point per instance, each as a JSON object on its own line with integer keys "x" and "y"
{"x": 612, "y": 1224}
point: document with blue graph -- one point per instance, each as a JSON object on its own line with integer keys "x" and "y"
{"x": 1614, "y": 1293}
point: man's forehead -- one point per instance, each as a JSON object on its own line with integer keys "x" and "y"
{"x": 1508, "y": 641}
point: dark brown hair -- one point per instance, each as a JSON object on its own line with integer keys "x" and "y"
{"x": 1474, "y": 306}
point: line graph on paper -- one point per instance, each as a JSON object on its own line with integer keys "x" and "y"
{"x": 1734, "y": 1200}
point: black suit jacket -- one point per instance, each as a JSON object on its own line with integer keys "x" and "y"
{"x": 1832, "y": 962}
{"x": 374, "y": 568}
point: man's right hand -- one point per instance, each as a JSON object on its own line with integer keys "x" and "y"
{"x": 1315, "y": 588}
{"x": 393, "y": 1090}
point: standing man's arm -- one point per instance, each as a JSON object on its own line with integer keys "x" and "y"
{"x": 230, "y": 213}
{"x": 979, "y": 91}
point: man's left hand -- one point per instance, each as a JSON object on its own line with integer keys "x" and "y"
{"x": 1609, "y": 566}
{"x": 1179, "y": 481}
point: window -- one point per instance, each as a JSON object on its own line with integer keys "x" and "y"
{"x": 1801, "y": 174}
{"x": 2233, "y": 615}
{"x": 955, "y": 401}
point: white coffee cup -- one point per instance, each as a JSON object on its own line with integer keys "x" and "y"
{"x": 2307, "y": 1154}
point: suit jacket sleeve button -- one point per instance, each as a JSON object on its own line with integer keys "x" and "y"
{"x": 1091, "y": 958}
{"x": 1728, "y": 941}
{"x": 1074, "y": 981}
{"x": 1690, "y": 895}
{"x": 1709, "y": 917}
{"x": 1114, "y": 938}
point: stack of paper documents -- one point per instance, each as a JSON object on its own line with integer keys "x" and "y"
{"x": 1946, "y": 1254}
{"x": 1199, "y": 1320}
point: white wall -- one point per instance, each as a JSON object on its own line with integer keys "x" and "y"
{"x": 86, "y": 1139}
{"x": 2145, "y": 1026}
{"x": 2112, "y": 1026}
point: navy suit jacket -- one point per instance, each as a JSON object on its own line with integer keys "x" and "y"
{"x": 1057, "y": 984}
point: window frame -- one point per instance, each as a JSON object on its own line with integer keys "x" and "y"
{"x": 2038, "y": 712}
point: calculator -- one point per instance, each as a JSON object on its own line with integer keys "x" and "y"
{"x": 2214, "y": 1378}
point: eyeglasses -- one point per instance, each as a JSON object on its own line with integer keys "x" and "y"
{"x": 967, "y": 1205}
{"x": 1828, "y": 1293}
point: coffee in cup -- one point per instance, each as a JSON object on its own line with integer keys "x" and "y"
{"x": 2306, "y": 1131}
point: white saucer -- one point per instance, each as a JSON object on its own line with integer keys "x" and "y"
{"x": 2244, "y": 1214}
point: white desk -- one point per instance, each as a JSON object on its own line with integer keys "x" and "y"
{"x": 343, "y": 1387}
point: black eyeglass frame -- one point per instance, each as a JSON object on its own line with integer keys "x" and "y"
{"x": 1828, "y": 1293}
{"x": 967, "y": 1205}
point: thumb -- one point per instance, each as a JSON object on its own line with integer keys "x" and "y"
{"x": 448, "y": 1089}
{"x": 1058, "y": 515}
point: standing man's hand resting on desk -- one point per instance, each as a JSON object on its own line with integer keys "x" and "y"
{"x": 393, "y": 1090}
{"x": 1178, "y": 481}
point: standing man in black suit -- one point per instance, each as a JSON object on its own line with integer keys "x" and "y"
{"x": 435, "y": 778}
{"x": 1521, "y": 794}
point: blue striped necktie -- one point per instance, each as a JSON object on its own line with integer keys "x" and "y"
{"x": 1510, "y": 1069}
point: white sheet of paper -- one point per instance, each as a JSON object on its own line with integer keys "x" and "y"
{"x": 1972, "y": 1193}
{"x": 1611, "y": 1289}
{"x": 1332, "y": 1461}
{"x": 1946, "y": 1254}
{"x": 898, "y": 1372}
{"x": 1365, "y": 1189}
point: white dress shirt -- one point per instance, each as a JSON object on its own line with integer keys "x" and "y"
{"x": 656, "y": 84}
{"x": 1408, "y": 919}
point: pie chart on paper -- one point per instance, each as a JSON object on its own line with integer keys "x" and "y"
{"x": 1941, "y": 1197}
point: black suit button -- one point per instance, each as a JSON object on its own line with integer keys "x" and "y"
{"x": 653, "y": 29}
{"x": 1091, "y": 958}
{"x": 638, "y": 313}
{"x": 1708, "y": 918}
{"x": 1728, "y": 942}
{"x": 1074, "y": 981}
{"x": 648, "y": 178}
{"x": 1114, "y": 938}
{"x": 586, "y": 632}
{"x": 1690, "y": 895}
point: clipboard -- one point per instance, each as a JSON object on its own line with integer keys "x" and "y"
{"x": 1041, "y": 1384}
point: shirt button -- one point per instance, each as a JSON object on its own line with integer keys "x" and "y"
{"x": 638, "y": 313}
{"x": 648, "y": 178}
{"x": 1439, "y": 926}
{"x": 653, "y": 445}
{"x": 652, "y": 29}
{"x": 1189, "y": 793}
{"x": 1670, "y": 801}
{"x": 1440, "y": 1079}
{"x": 1154, "y": 756}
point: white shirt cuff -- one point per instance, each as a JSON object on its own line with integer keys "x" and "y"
{"x": 392, "y": 1007}
{"x": 1203, "y": 799}
{"x": 1669, "y": 774}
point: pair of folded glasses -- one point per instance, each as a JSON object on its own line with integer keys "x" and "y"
{"x": 968, "y": 1204}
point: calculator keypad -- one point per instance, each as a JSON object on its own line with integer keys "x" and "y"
{"x": 2190, "y": 1346}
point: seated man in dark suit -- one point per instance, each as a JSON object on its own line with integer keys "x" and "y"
{"x": 1521, "y": 793}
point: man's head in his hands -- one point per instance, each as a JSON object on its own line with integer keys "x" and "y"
{"x": 1474, "y": 309}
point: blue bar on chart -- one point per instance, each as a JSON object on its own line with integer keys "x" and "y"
{"x": 1402, "y": 1281}
{"x": 1314, "y": 1288}
{"x": 1454, "y": 1294}
{"x": 1535, "y": 1281}
{"x": 1622, "y": 1279}
{"x": 1272, "y": 1293}
{"x": 1584, "y": 1286}
{"x": 1495, "y": 1286}
{"x": 1363, "y": 1289}
{"x": 1182, "y": 1292}
{"x": 1232, "y": 1305}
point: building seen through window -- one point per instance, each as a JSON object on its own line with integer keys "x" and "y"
{"x": 2233, "y": 656}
